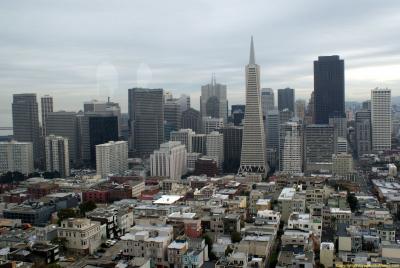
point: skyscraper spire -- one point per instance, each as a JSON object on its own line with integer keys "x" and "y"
{"x": 252, "y": 57}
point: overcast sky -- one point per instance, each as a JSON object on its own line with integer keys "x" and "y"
{"x": 79, "y": 50}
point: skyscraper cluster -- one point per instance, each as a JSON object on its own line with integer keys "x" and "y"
{"x": 288, "y": 135}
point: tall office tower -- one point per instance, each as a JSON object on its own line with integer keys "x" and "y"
{"x": 272, "y": 126}
{"x": 213, "y": 101}
{"x": 291, "y": 148}
{"x": 233, "y": 136}
{"x": 184, "y": 136}
{"x": 172, "y": 117}
{"x": 363, "y": 132}
{"x": 26, "y": 122}
{"x": 237, "y": 114}
{"x": 328, "y": 88}
{"x": 319, "y": 145}
{"x": 169, "y": 161}
{"x": 253, "y": 146}
{"x": 57, "y": 155}
{"x": 94, "y": 129}
{"x": 16, "y": 156}
{"x": 47, "y": 107}
{"x": 285, "y": 115}
{"x": 112, "y": 158}
{"x": 104, "y": 107}
{"x": 191, "y": 119}
{"x": 300, "y": 109}
{"x": 215, "y": 147}
{"x": 381, "y": 119}
{"x": 199, "y": 143}
{"x": 286, "y": 99}
{"x": 310, "y": 112}
{"x": 211, "y": 124}
{"x": 146, "y": 117}
{"x": 267, "y": 100}
{"x": 65, "y": 124}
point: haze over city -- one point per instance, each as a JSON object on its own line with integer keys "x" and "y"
{"x": 77, "y": 51}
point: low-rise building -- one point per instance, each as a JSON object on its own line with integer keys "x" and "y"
{"x": 291, "y": 200}
{"x": 82, "y": 235}
{"x": 148, "y": 241}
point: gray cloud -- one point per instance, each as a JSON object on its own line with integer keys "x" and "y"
{"x": 57, "y": 47}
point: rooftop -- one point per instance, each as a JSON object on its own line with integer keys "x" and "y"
{"x": 167, "y": 199}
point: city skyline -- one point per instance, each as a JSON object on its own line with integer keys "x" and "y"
{"x": 69, "y": 65}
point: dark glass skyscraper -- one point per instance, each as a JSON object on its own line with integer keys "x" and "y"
{"x": 146, "y": 120}
{"x": 286, "y": 99}
{"x": 102, "y": 129}
{"x": 328, "y": 88}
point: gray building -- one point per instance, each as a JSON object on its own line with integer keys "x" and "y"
{"x": 104, "y": 107}
{"x": 146, "y": 120}
{"x": 65, "y": 124}
{"x": 232, "y": 147}
{"x": 46, "y": 107}
{"x": 285, "y": 115}
{"x": 172, "y": 116}
{"x": 26, "y": 123}
{"x": 272, "y": 128}
{"x": 363, "y": 132}
{"x": 213, "y": 101}
{"x": 286, "y": 99}
{"x": 199, "y": 143}
{"x": 191, "y": 119}
{"x": 319, "y": 145}
{"x": 57, "y": 155}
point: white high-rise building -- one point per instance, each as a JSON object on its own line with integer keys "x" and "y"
{"x": 169, "y": 161}
{"x": 291, "y": 148}
{"x": 16, "y": 156}
{"x": 184, "y": 136}
{"x": 210, "y": 124}
{"x": 253, "y": 158}
{"x": 215, "y": 147}
{"x": 47, "y": 107}
{"x": 213, "y": 101}
{"x": 381, "y": 119}
{"x": 111, "y": 158}
{"x": 57, "y": 155}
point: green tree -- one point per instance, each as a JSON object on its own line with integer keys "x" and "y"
{"x": 66, "y": 213}
{"x": 86, "y": 207}
{"x": 228, "y": 251}
{"x": 209, "y": 243}
{"x": 353, "y": 202}
{"x": 236, "y": 237}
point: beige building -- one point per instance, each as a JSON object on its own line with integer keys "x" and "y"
{"x": 327, "y": 254}
{"x": 342, "y": 164}
{"x": 82, "y": 235}
{"x": 16, "y": 156}
{"x": 291, "y": 200}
